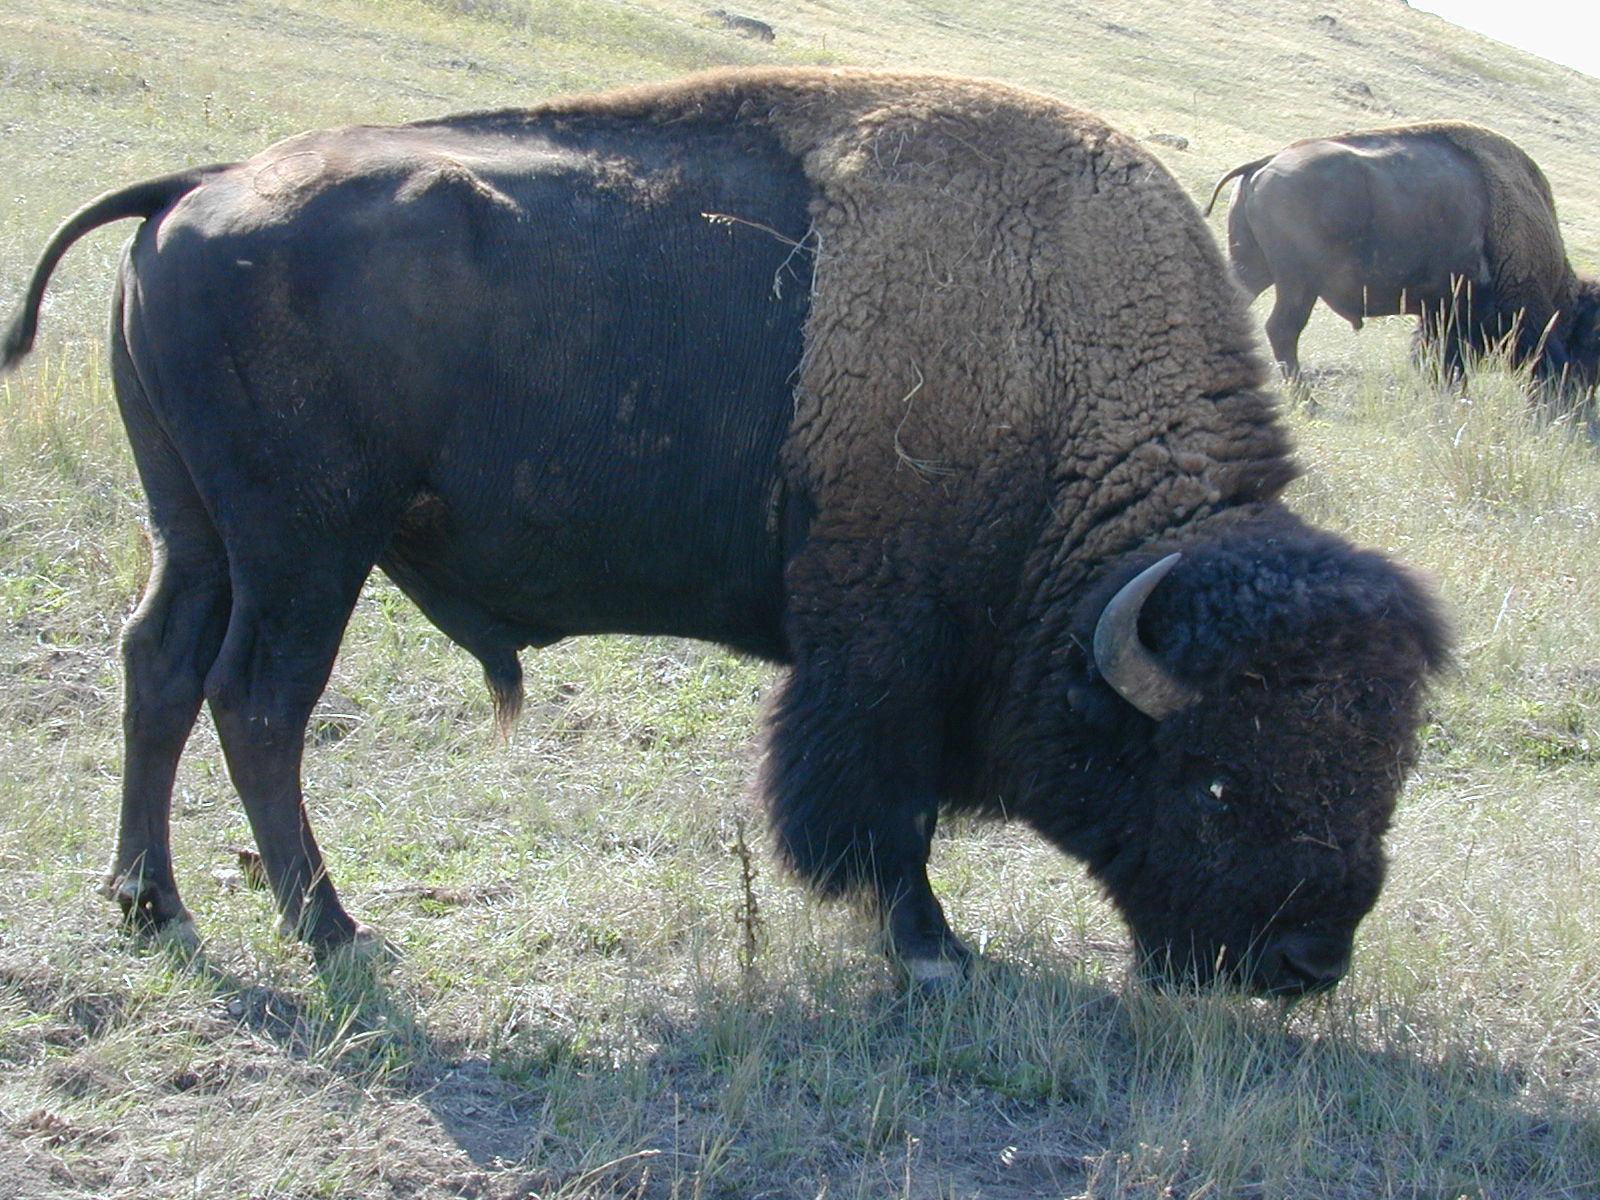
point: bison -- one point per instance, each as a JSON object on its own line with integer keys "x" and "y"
{"x": 931, "y": 389}
{"x": 1446, "y": 221}
{"x": 745, "y": 26}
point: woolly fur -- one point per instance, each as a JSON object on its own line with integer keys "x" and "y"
{"x": 1006, "y": 291}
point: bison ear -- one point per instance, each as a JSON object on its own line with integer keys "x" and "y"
{"x": 1125, "y": 662}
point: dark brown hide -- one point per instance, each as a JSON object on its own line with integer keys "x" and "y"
{"x": 893, "y": 378}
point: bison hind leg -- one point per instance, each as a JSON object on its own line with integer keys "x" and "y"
{"x": 168, "y": 644}
{"x": 1291, "y": 309}
{"x": 288, "y": 618}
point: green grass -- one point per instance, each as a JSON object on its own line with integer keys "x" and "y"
{"x": 590, "y": 996}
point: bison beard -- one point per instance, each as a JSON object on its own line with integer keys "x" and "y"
{"x": 900, "y": 380}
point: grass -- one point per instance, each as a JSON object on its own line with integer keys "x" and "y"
{"x": 599, "y": 986}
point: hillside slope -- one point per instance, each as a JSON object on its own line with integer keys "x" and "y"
{"x": 98, "y": 92}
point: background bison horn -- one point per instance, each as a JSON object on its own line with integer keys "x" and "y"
{"x": 1124, "y": 661}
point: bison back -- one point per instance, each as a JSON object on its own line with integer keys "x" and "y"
{"x": 558, "y": 365}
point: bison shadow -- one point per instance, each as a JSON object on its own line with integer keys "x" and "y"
{"x": 1051, "y": 1106}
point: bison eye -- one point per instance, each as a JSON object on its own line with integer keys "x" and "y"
{"x": 1217, "y": 788}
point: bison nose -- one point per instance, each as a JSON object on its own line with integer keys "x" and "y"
{"x": 1294, "y": 964}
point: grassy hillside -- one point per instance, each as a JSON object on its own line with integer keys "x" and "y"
{"x": 601, "y": 986}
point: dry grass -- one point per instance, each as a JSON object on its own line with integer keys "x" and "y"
{"x": 592, "y": 994}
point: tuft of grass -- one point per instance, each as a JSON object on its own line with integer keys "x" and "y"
{"x": 1500, "y": 450}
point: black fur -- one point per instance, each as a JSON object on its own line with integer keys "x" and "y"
{"x": 1308, "y": 655}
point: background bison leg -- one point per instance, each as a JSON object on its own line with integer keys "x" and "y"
{"x": 1291, "y": 309}
{"x": 1446, "y": 332}
{"x": 282, "y": 637}
{"x": 851, "y": 781}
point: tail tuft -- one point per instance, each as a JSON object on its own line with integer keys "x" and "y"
{"x": 18, "y": 339}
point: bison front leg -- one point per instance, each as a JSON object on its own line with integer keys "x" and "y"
{"x": 851, "y": 782}
{"x": 1445, "y": 336}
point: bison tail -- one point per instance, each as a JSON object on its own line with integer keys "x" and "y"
{"x": 18, "y": 338}
{"x": 1245, "y": 171}
{"x": 140, "y": 200}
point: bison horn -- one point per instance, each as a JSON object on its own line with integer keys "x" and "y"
{"x": 1125, "y": 662}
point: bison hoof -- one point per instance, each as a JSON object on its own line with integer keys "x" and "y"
{"x": 364, "y": 948}
{"x": 938, "y": 973}
{"x": 935, "y": 976}
{"x": 147, "y": 909}
{"x": 180, "y": 938}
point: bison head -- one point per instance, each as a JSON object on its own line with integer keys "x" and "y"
{"x": 1583, "y": 336}
{"x": 1248, "y": 719}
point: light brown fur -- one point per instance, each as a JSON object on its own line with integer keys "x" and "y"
{"x": 998, "y": 277}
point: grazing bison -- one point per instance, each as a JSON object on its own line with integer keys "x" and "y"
{"x": 747, "y": 26}
{"x": 1446, "y": 221}
{"x": 928, "y": 388}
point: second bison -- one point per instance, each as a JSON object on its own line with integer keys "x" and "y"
{"x": 931, "y": 389}
{"x": 1444, "y": 220}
